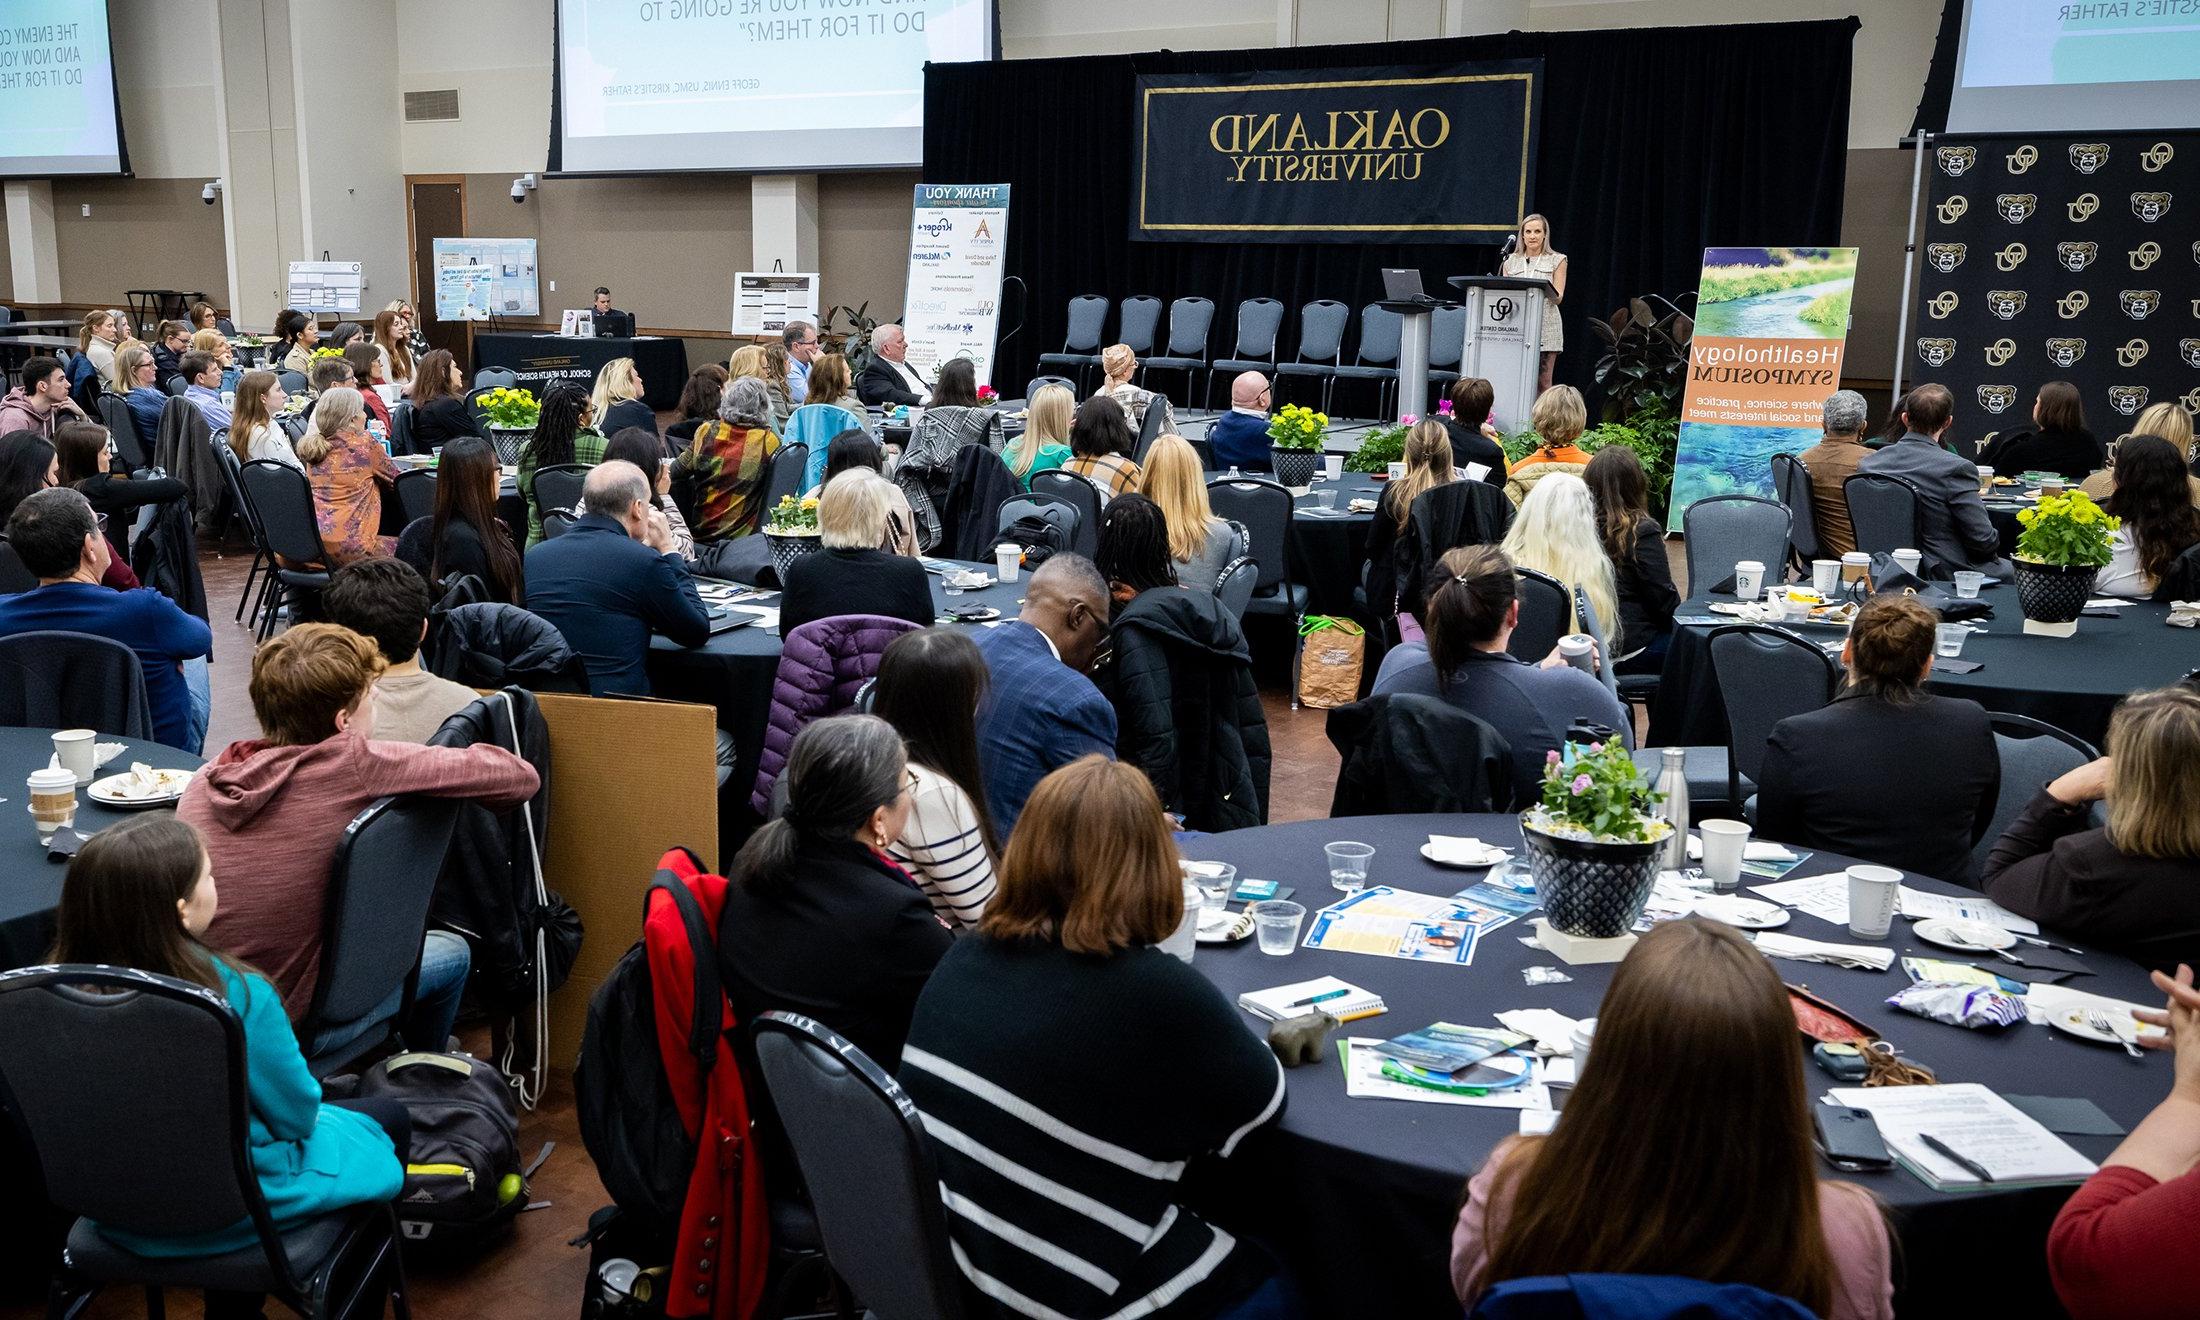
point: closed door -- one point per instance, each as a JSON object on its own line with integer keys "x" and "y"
{"x": 438, "y": 208}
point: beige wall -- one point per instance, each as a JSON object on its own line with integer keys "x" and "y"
{"x": 141, "y": 234}
{"x": 7, "y": 268}
{"x": 165, "y": 66}
{"x": 351, "y": 184}
{"x": 503, "y": 86}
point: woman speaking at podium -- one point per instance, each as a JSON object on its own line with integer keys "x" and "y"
{"x": 1532, "y": 258}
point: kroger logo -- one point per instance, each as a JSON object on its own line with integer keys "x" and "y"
{"x": 936, "y": 227}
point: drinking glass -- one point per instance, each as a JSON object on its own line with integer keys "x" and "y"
{"x": 1348, "y": 865}
{"x": 1948, "y": 638}
{"x": 1325, "y": 499}
{"x": 1968, "y": 583}
{"x": 1215, "y": 881}
{"x": 1276, "y": 921}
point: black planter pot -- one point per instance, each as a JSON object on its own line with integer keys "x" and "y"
{"x": 1589, "y": 889}
{"x": 1296, "y": 467}
{"x": 2053, "y": 593}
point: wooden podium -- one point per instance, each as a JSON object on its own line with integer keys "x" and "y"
{"x": 1504, "y": 344}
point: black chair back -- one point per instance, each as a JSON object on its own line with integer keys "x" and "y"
{"x": 2033, "y": 752}
{"x": 491, "y": 378}
{"x": 177, "y": 385}
{"x": 1265, "y": 508}
{"x": 1765, "y": 674}
{"x": 1447, "y": 339}
{"x": 1049, "y": 508}
{"x": 1791, "y": 483}
{"x": 784, "y": 479}
{"x": 1038, "y": 383}
{"x": 416, "y": 494}
{"x": 1883, "y": 508}
{"x": 293, "y": 382}
{"x": 556, "y": 523}
{"x": 1234, "y": 585}
{"x": 14, "y": 578}
{"x": 115, "y": 413}
{"x": 1190, "y": 321}
{"x": 401, "y": 427}
{"x": 864, "y": 1156}
{"x": 1259, "y": 321}
{"x": 1079, "y": 493}
{"x": 1723, "y": 530}
{"x": 1136, "y": 322}
{"x": 2182, "y": 580}
{"x": 283, "y": 499}
{"x": 478, "y": 410}
{"x": 73, "y": 680}
{"x": 1545, "y": 607}
{"x": 1321, "y": 331}
{"x": 1088, "y": 320}
{"x": 559, "y": 485}
{"x": 1149, "y": 429}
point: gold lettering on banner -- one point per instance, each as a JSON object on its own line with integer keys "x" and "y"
{"x": 2145, "y": 255}
{"x": 1352, "y": 146}
{"x": 2072, "y": 303}
{"x": 2000, "y": 351}
{"x": 2132, "y": 353}
{"x": 2011, "y": 257}
{"x": 2157, "y": 157}
{"x": 1952, "y": 210}
{"x": 2023, "y": 158}
{"x": 1942, "y": 304}
{"x": 2083, "y": 208}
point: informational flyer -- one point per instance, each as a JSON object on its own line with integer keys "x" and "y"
{"x": 958, "y": 238}
{"x": 464, "y": 293}
{"x": 1397, "y": 923}
{"x": 508, "y": 264}
{"x": 765, "y": 300}
{"x": 325, "y": 286}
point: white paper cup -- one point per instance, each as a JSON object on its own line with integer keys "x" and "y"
{"x": 1909, "y": 560}
{"x": 1578, "y": 650}
{"x": 1825, "y": 576}
{"x": 78, "y": 755}
{"x": 1005, "y": 559}
{"x": 1874, "y": 892}
{"x": 1967, "y": 584}
{"x": 1185, "y": 938}
{"x": 1723, "y": 841}
{"x": 1856, "y": 566}
{"x": 1333, "y": 466}
{"x": 1397, "y": 470}
{"x": 1583, "y": 1036}
{"x": 1985, "y": 479}
{"x": 1749, "y": 579}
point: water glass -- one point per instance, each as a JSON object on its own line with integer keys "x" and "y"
{"x": 1276, "y": 922}
{"x": 1348, "y": 865}
{"x": 1326, "y": 500}
{"x": 1967, "y": 584}
{"x": 1215, "y": 881}
{"x": 1948, "y": 638}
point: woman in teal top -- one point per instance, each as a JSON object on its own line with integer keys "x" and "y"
{"x": 1045, "y": 441}
{"x": 139, "y": 895}
{"x": 562, "y": 435}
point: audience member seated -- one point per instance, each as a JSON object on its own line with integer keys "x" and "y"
{"x": 202, "y": 376}
{"x": 1556, "y": 533}
{"x": 41, "y": 402}
{"x": 1831, "y": 462}
{"x": 930, "y": 685}
{"x": 253, "y": 434}
{"x": 346, "y": 469}
{"x": 861, "y": 449}
{"x": 204, "y": 317}
{"x": 1041, "y": 711}
{"x": 1201, "y": 544}
{"x": 952, "y": 421}
{"x": 706, "y": 385}
{"x": 609, "y": 320}
{"x": 465, "y": 536}
{"x": 174, "y": 341}
{"x": 408, "y": 328}
{"x": 646, "y": 451}
{"x": 342, "y": 336}
{"x": 57, "y": 537}
{"x": 2061, "y": 445}
{"x": 2132, "y": 885}
{"x": 135, "y": 377}
{"x": 1119, "y": 364}
{"x": 2153, "y": 499}
{"x": 81, "y": 450}
{"x": 1953, "y": 530}
{"x": 562, "y": 435}
{"x": 1044, "y": 444}
{"x": 296, "y": 334}
{"x": 274, "y": 809}
{"x": 439, "y": 406}
{"x": 1100, "y": 441}
{"x": 141, "y": 894}
{"x": 97, "y": 341}
{"x": 827, "y": 380}
{"x": 1713, "y": 1160}
{"x": 2171, "y": 422}
{"x": 1469, "y": 618}
{"x": 777, "y": 385}
{"x": 1634, "y": 545}
{"x": 1062, "y": 1061}
{"x": 1474, "y": 437}
{"x": 1845, "y": 778}
{"x": 1559, "y": 417}
{"x": 1239, "y": 438}
{"x": 367, "y": 373}
{"x": 853, "y": 572}
{"x": 333, "y": 373}
{"x": 29, "y": 464}
{"x": 818, "y": 920}
{"x": 2120, "y": 1249}
{"x": 613, "y": 579}
{"x": 392, "y": 345}
{"x": 618, "y": 399}
{"x": 887, "y": 379}
{"x": 730, "y": 461}
{"x": 800, "y": 342}
{"x": 215, "y": 345}
{"x": 1427, "y": 453}
{"x": 1133, "y": 551}
{"x": 386, "y": 602}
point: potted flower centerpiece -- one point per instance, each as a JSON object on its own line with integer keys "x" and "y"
{"x": 511, "y": 415}
{"x": 790, "y": 529}
{"x": 1296, "y": 433}
{"x": 2063, "y": 546}
{"x": 1593, "y": 840}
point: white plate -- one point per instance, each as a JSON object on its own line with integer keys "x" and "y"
{"x": 1489, "y": 857}
{"x": 980, "y": 614}
{"x": 1964, "y": 936}
{"x": 2073, "y": 1021}
{"x": 1222, "y": 926}
{"x": 1742, "y": 913}
{"x": 104, "y": 791}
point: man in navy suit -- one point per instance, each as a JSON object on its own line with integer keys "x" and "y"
{"x": 1041, "y": 712}
{"x": 1239, "y": 437}
{"x": 1953, "y": 530}
{"x": 613, "y": 579}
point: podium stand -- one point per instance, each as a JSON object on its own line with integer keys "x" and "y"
{"x": 1413, "y": 330}
{"x": 1504, "y": 343}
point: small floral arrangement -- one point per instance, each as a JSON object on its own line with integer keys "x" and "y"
{"x": 325, "y": 352}
{"x": 793, "y": 517}
{"x": 1296, "y": 426}
{"x": 1381, "y": 446}
{"x": 510, "y": 409}
{"x": 1598, "y": 793}
{"x": 988, "y": 396}
{"x": 2068, "y": 530}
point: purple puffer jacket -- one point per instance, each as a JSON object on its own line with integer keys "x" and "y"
{"x": 822, "y": 665}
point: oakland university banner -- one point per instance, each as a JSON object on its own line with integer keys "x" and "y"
{"x": 1771, "y": 323}
{"x": 1425, "y": 155}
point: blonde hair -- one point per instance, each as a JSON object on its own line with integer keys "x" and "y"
{"x": 1559, "y": 416}
{"x": 1428, "y": 465}
{"x": 1175, "y": 482}
{"x": 92, "y": 321}
{"x": 251, "y": 412}
{"x": 854, "y": 511}
{"x": 211, "y": 342}
{"x": 1556, "y": 533}
{"x": 614, "y": 384}
{"x": 1045, "y": 423}
{"x": 130, "y": 354}
{"x": 2169, "y": 421}
{"x": 337, "y": 409}
{"x": 2154, "y": 740}
{"x": 1118, "y": 361}
{"x": 747, "y": 361}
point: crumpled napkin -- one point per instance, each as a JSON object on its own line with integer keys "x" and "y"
{"x": 1457, "y": 850}
{"x": 1863, "y": 957}
{"x": 1362, "y": 506}
{"x": 2184, "y": 614}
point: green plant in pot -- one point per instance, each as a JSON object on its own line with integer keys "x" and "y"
{"x": 1380, "y": 446}
{"x": 1593, "y": 840}
{"x": 790, "y": 529}
{"x": 1645, "y": 361}
{"x": 2062, "y": 548}
{"x": 1295, "y": 435}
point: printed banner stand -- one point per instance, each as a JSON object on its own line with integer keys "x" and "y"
{"x": 1771, "y": 326}
{"x": 957, "y": 236}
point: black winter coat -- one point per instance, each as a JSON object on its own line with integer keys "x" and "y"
{"x": 489, "y": 645}
{"x": 1187, "y": 710}
{"x": 1405, "y": 754}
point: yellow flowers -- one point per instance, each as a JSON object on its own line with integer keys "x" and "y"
{"x": 1296, "y": 426}
{"x": 509, "y": 409}
{"x": 793, "y": 517}
{"x": 2067, "y": 529}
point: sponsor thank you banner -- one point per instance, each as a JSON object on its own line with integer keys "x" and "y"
{"x": 1771, "y": 326}
{"x": 2060, "y": 258}
{"x": 1414, "y": 155}
{"x": 953, "y": 305}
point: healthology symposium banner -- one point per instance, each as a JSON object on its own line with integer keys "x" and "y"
{"x": 953, "y": 306}
{"x": 1771, "y": 326}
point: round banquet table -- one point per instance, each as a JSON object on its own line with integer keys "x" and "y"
{"x": 1359, "y": 1195}
{"x": 1331, "y": 546}
{"x": 30, "y": 884}
{"x": 2072, "y": 683}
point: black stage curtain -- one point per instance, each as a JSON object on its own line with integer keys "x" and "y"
{"x": 1655, "y": 144}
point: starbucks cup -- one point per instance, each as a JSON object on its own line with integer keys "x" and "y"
{"x": 1985, "y": 480}
{"x": 1006, "y": 556}
{"x": 1749, "y": 579}
{"x": 53, "y": 800}
{"x": 1397, "y": 471}
{"x": 1825, "y": 576}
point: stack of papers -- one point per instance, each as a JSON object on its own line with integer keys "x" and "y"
{"x": 1918, "y": 905}
{"x": 1447, "y": 1047}
{"x": 1825, "y": 897}
{"x": 1986, "y": 1130}
{"x": 1364, "y": 1080}
{"x": 1397, "y": 923}
{"x": 1864, "y": 957}
{"x": 1341, "y": 1000}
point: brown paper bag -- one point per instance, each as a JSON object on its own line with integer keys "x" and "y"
{"x": 1331, "y": 652}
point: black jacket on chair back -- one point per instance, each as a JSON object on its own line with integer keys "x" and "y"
{"x": 1187, "y": 710}
{"x": 1405, "y": 754}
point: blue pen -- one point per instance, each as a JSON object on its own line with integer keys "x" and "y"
{"x": 1315, "y": 999}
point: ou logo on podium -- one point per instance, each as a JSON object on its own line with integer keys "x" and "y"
{"x": 1501, "y": 310}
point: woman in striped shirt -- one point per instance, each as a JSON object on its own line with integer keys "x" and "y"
{"x": 930, "y": 684}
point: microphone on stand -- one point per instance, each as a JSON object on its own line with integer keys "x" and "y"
{"x": 1511, "y": 241}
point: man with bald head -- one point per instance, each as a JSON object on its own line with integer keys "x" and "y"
{"x": 1239, "y": 437}
{"x": 888, "y": 378}
{"x": 614, "y": 578}
{"x": 1040, "y": 711}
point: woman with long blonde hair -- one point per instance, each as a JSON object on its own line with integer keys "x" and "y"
{"x": 1556, "y": 533}
{"x": 2167, "y": 420}
{"x": 1045, "y": 441}
{"x": 1428, "y": 459}
{"x": 617, "y": 399}
{"x": 1201, "y": 544}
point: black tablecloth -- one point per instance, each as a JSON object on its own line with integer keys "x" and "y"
{"x": 539, "y": 359}
{"x": 1359, "y": 1195}
{"x": 30, "y": 885}
{"x": 2003, "y": 515}
{"x": 1330, "y": 549}
{"x": 2073, "y": 683}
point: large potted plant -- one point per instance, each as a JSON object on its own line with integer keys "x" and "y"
{"x": 511, "y": 415}
{"x": 1382, "y": 445}
{"x": 790, "y": 529}
{"x": 1295, "y": 435}
{"x": 1593, "y": 841}
{"x": 2061, "y": 550}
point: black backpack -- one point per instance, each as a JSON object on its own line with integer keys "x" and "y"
{"x": 1041, "y": 537}
{"x": 463, "y": 1180}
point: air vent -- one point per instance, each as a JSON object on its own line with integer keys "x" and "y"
{"x": 429, "y": 107}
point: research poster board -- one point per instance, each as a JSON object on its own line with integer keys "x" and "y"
{"x": 505, "y": 266}
{"x": 326, "y": 286}
{"x": 764, "y": 301}
{"x": 957, "y": 238}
